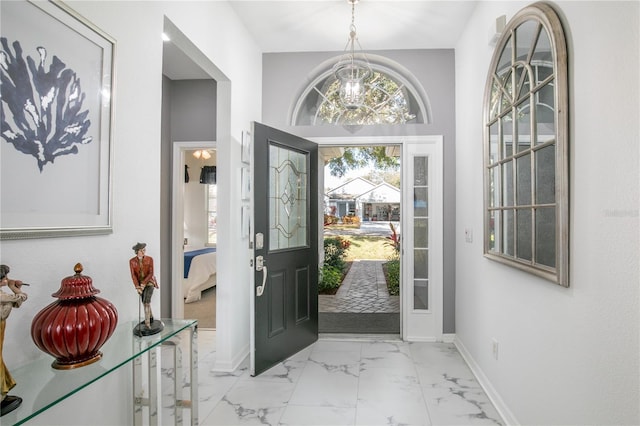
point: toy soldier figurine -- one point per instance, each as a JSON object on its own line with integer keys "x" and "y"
{"x": 8, "y": 302}
{"x": 141, "y": 267}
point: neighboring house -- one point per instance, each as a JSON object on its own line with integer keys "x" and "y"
{"x": 379, "y": 203}
{"x": 343, "y": 197}
{"x": 364, "y": 199}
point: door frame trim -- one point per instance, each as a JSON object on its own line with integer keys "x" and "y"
{"x": 402, "y": 141}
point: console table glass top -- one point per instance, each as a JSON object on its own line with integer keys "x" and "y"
{"x": 41, "y": 387}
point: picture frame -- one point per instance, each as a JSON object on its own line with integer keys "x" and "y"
{"x": 245, "y": 182}
{"x": 245, "y": 155}
{"x": 245, "y": 221}
{"x": 57, "y": 185}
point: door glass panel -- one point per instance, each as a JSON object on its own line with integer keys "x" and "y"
{"x": 420, "y": 294}
{"x": 420, "y": 169}
{"x": 421, "y": 232}
{"x": 288, "y": 177}
{"x": 420, "y": 202}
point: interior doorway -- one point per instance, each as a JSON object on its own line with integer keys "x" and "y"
{"x": 193, "y": 273}
{"x": 199, "y": 246}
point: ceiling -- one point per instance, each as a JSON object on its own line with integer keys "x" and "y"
{"x": 323, "y": 25}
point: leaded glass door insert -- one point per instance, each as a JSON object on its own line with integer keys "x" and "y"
{"x": 288, "y": 198}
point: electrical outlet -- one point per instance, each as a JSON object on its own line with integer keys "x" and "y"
{"x": 494, "y": 348}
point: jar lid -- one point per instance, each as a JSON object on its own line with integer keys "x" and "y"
{"x": 76, "y": 286}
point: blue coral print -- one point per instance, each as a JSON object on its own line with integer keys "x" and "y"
{"x": 46, "y": 119}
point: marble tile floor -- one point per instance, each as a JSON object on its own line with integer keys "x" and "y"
{"x": 346, "y": 380}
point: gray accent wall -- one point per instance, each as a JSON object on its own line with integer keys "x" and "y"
{"x": 188, "y": 114}
{"x": 285, "y": 75}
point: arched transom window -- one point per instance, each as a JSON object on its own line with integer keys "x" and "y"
{"x": 526, "y": 147}
{"x": 389, "y": 99}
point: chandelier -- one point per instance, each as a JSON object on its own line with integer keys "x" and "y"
{"x": 352, "y": 70}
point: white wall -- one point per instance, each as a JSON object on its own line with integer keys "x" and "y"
{"x": 137, "y": 26}
{"x": 566, "y": 356}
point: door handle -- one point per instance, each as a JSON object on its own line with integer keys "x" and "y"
{"x": 260, "y": 266}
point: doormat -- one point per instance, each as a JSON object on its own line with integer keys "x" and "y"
{"x": 350, "y": 322}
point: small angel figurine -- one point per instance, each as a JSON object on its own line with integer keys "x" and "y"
{"x": 8, "y": 301}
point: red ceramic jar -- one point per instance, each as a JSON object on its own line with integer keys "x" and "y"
{"x": 74, "y": 328}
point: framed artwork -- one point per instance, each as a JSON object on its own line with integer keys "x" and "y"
{"x": 57, "y": 118}
{"x": 245, "y": 221}
{"x": 245, "y": 181}
{"x": 246, "y": 147}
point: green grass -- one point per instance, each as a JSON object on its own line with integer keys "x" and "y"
{"x": 367, "y": 247}
{"x": 370, "y": 248}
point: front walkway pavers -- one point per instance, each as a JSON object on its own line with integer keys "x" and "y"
{"x": 363, "y": 290}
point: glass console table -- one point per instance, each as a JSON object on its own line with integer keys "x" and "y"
{"x": 41, "y": 387}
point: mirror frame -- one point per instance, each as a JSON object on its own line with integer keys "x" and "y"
{"x": 547, "y": 18}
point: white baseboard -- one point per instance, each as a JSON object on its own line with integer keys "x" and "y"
{"x": 448, "y": 338}
{"x": 507, "y": 416}
{"x": 421, "y": 339}
{"x": 234, "y": 364}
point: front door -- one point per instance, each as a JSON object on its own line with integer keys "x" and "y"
{"x": 285, "y": 291}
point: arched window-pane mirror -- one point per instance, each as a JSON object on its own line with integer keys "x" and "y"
{"x": 526, "y": 146}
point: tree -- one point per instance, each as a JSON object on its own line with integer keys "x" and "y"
{"x": 392, "y": 177}
{"x": 360, "y": 157}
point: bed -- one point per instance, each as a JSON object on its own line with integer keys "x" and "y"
{"x": 199, "y": 273}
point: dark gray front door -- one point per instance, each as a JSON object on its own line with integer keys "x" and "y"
{"x": 286, "y": 253}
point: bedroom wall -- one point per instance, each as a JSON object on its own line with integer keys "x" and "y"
{"x": 567, "y": 356}
{"x": 136, "y": 175}
{"x": 285, "y": 75}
